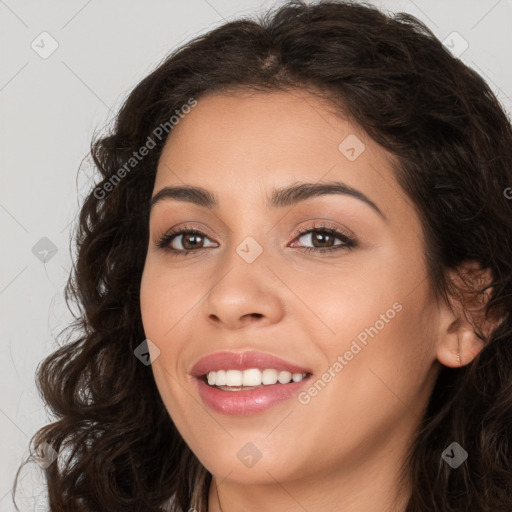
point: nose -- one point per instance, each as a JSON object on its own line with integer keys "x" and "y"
{"x": 246, "y": 293}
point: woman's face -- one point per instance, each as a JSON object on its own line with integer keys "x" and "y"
{"x": 358, "y": 319}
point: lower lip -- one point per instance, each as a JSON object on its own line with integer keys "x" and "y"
{"x": 252, "y": 401}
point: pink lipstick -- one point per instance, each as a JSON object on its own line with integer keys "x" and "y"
{"x": 247, "y": 383}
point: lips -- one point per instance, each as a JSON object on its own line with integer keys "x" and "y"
{"x": 242, "y": 401}
{"x": 243, "y": 361}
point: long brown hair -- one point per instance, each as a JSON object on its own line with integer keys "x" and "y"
{"x": 118, "y": 448}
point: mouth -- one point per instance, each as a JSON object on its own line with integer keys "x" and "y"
{"x": 228, "y": 384}
{"x": 253, "y": 378}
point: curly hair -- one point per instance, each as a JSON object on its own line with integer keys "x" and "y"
{"x": 119, "y": 450}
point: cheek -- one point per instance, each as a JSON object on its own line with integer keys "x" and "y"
{"x": 162, "y": 304}
{"x": 381, "y": 322}
{"x": 165, "y": 298}
{"x": 351, "y": 303}
{"x": 387, "y": 352}
{"x": 370, "y": 389}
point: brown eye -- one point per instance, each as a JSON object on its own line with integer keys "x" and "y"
{"x": 189, "y": 241}
{"x": 323, "y": 239}
{"x": 320, "y": 238}
{"x": 183, "y": 241}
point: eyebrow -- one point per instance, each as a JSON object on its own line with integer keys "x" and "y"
{"x": 280, "y": 198}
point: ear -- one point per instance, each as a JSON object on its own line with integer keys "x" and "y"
{"x": 464, "y": 327}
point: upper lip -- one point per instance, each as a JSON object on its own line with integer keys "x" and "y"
{"x": 243, "y": 361}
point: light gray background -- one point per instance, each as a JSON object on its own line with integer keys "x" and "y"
{"x": 49, "y": 110}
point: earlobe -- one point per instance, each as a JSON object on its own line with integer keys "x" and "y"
{"x": 461, "y": 322}
{"x": 459, "y": 347}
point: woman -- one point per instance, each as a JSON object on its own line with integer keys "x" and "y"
{"x": 295, "y": 279}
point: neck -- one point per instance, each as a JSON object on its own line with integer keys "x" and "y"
{"x": 372, "y": 486}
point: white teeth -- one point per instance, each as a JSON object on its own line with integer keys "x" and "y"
{"x": 269, "y": 377}
{"x": 252, "y": 377}
{"x": 220, "y": 378}
{"x": 284, "y": 377}
{"x": 233, "y": 378}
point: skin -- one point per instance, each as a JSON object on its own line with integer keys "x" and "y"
{"x": 343, "y": 449}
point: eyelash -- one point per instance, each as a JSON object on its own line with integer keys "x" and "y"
{"x": 348, "y": 242}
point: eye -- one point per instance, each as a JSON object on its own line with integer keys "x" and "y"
{"x": 186, "y": 240}
{"x": 323, "y": 237}
{"x": 183, "y": 241}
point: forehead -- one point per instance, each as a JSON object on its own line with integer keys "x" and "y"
{"x": 252, "y": 143}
